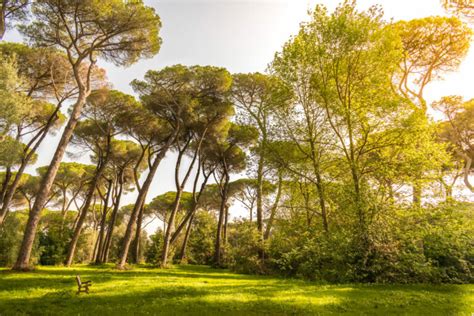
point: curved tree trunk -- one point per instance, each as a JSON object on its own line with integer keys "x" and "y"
{"x": 83, "y": 213}
{"x": 138, "y": 204}
{"x": 182, "y": 254}
{"x": 22, "y": 262}
{"x": 273, "y": 210}
{"x": 138, "y": 233}
{"x": 100, "y": 238}
{"x": 179, "y": 193}
{"x": 113, "y": 219}
{"x": 260, "y": 194}
{"x": 220, "y": 223}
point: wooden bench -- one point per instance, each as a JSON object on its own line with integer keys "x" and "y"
{"x": 82, "y": 286}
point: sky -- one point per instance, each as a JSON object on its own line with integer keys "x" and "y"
{"x": 243, "y": 36}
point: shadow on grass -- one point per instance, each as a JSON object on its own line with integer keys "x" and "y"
{"x": 219, "y": 292}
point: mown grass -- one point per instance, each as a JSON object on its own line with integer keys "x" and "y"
{"x": 198, "y": 290}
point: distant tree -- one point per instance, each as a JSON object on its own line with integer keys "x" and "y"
{"x": 432, "y": 46}
{"x": 11, "y": 10}
{"x": 457, "y": 131}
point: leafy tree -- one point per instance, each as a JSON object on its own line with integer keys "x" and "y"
{"x": 209, "y": 112}
{"x": 351, "y": 52}
{"x": 117, "y": 31}
{"x": 432, "y": 46}
{"x": 104, "y": 112}
{"x": 258, "y": 97}
{"x": 229, "y": 157}
{"x": 164, "y": 95}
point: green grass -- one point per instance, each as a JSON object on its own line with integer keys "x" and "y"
{"x": 199, "y": 290}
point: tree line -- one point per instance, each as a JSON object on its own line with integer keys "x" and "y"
{"x": 348, "y": 175}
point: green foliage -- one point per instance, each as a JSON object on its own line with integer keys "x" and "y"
{"x": 243, "y": 249}
{"x": 54, "y": 238}
{"x": 154, "y": 247}
{"x": 201, "y": 241}
{"x": 118, "y": 31}
{"x": 10, "y": 238}
{"x": 407, "y": 246}
{"x": 13, "y": 103}
{"x": 191, "y": 290}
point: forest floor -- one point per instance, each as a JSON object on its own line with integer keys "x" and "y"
{"x": 199, "y": 290}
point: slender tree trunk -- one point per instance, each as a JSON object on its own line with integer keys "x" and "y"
{"x": 138, "y": 232}
{"x": 179, "y": 193}
{"x": 261, "y": 163}
{"x": 138, "y": 204}
{"x": 322, "y": 202}
{"x": 217, "y": 247}
{"x": 4, "y": 209}
{"x": 226, "y": 221}
{"x": 23, "y": 259}
{"x": 100, "y": 238}
{"x": 167, "y": 239}
{"x": 182, "y": 255}
{"x": 113, "y": 219}
{"x": 190, "y": 214}
{"x": 274, "y": 208}
{"x": 83, "y": 214}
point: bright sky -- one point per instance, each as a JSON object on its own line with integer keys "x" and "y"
{"x": 243, "y": 36}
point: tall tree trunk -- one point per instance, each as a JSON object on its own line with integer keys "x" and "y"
{"x": 217, "y": 246}
{"x": 22, "y": 262}
{"x": 179, "y": 193}
{"x": 83, "y": 214}
{"x": 190, "y": 214}
{"x": 261, "y": 163}
{"x": 274, "y": 208}
{"x": 113, "y": 219}
{"x": 182, "y": 255}
{"x": 100, "y": 238}
{"x": 138, "y": 204}
{"x": 322, "y": 202}
{"x": 169, "y": 228}
{"x": 226, "y": 221}
{"x": 138, "y": 232}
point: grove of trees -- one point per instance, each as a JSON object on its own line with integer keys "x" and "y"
{"x": 333, "y": 152}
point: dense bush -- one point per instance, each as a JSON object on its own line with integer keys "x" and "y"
{"x": 200, "y": 248}
{"x": 11, "y": 234}
{"x": 433, "y": 244}
{"x": 244, "y": 249}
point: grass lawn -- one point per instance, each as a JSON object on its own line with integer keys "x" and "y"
{"x": 199, "y": 290}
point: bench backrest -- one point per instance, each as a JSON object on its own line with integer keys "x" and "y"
{"x": 78, "y": 280}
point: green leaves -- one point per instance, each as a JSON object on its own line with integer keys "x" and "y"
{"x": 118, "y": 31}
